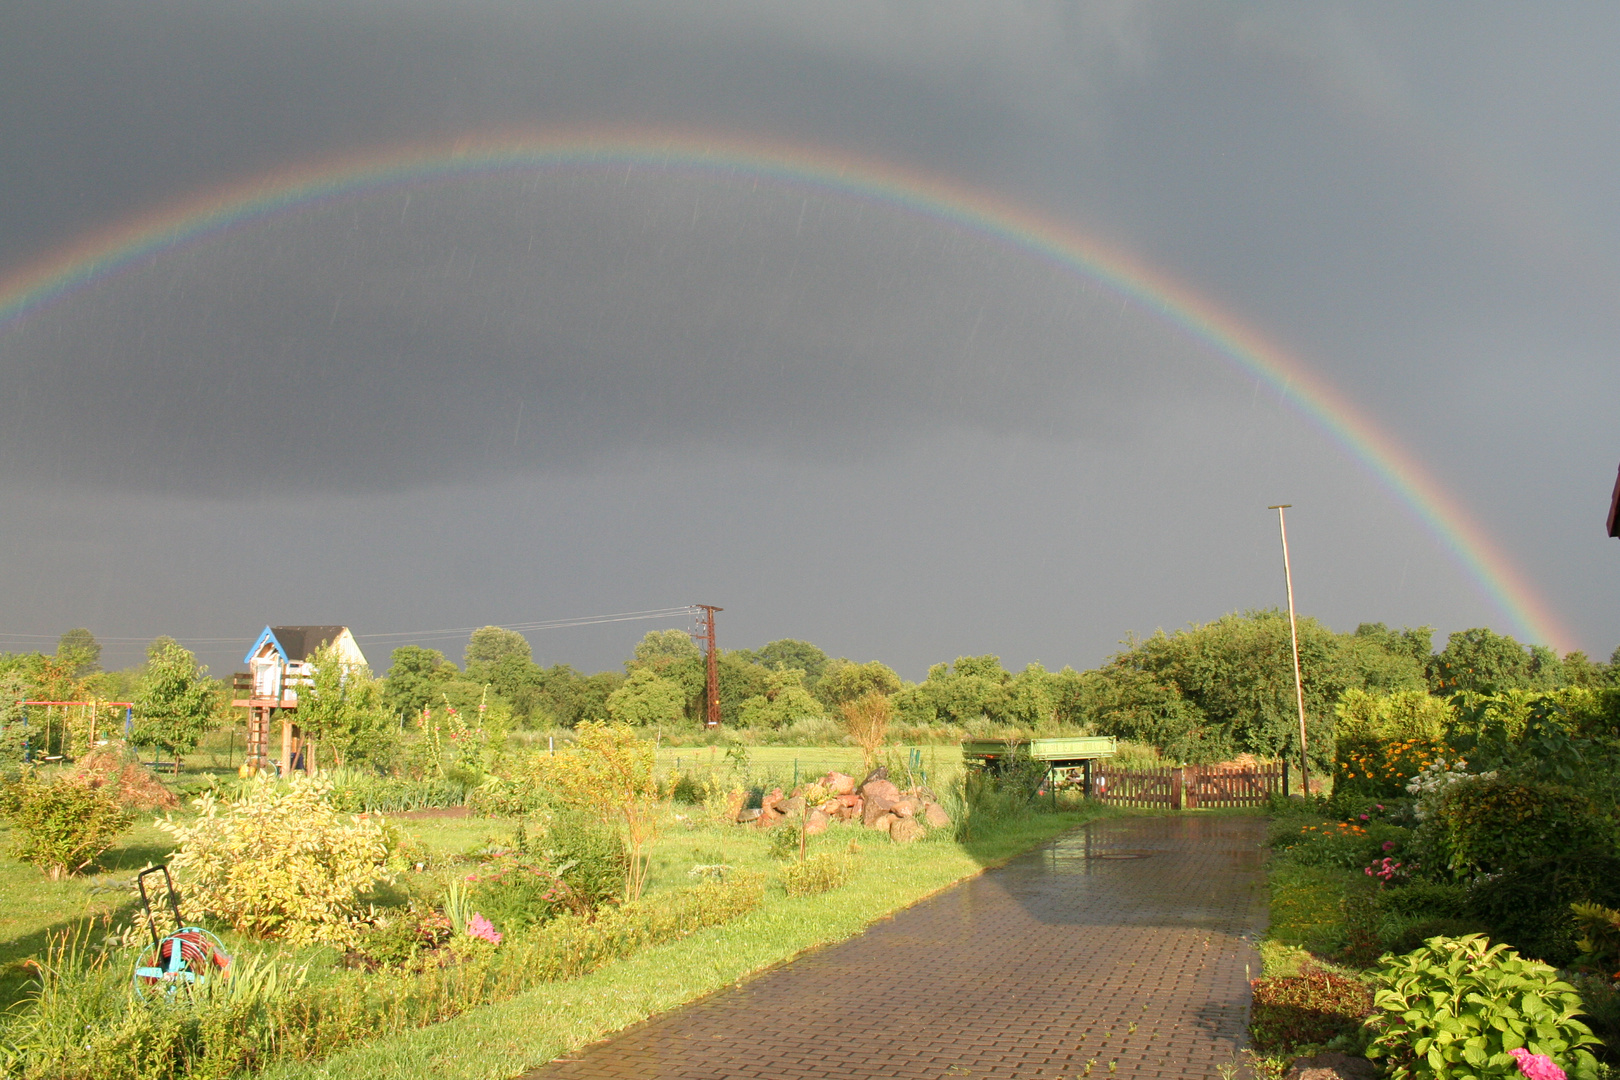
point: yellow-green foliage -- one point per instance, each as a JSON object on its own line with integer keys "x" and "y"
{"x": 1397, "y": 716}
{"x": 609, "y": 773}
{"x": 822, "y": 872}
{"x": 281, "y": 861}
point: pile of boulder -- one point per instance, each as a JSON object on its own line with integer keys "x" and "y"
{"x": 876, "y": 802}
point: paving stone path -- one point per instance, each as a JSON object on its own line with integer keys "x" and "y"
{"x": 1120, "y": 950}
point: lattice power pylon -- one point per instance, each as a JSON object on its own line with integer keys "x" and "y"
{"x": 711, "y": 671}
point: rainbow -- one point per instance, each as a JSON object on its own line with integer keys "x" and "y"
{"x": 95, "y": 257}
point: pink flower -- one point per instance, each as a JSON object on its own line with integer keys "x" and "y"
{"x": 1380, "y": 806}
{"x": 1536, "y": 1066}
{"x": 1389, "y": 845}
{"x": 1363, "y": 817}
{"x": 480, "y": 927}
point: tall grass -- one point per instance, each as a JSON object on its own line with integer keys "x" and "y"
{"x": 87, "y": 1021}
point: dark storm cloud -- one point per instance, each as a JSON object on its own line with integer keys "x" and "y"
{"x": 1420, "y": 207}
{"x": 523, "y": 322}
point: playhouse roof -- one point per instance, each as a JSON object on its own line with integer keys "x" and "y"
{"x": 295, "y": 642}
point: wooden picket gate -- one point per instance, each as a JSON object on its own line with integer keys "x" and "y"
{"x": 1192, "y": 787}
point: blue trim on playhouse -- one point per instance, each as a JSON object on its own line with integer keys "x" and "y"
{"x": 270, "y": 635}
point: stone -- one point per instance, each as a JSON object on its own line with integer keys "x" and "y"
{"x": 875, "y": 806}
{"x": 882, "y": 823}
{"x": 839, "y": 784}
{"x": 1332, "y": 1065}
{"x": 850, "y": 799}
{"x": 903, "y": 830}
{"x": 816, "y": 823}
{"x": 735, "y": 805}
{"x": 880, "y": 787}
{"x": 747, "y": 815}
{"x": 831, "y": 807}
{"x": 906, "y": 806}
{"x": 935, "y": 817}
{"x": 770, "y": 819}
{"x": 879, "y": 773}
{"x": 794, "y": 806}
{"x": 771, "y": 801}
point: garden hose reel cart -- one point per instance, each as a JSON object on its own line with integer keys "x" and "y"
{"x": 188, "y": 956}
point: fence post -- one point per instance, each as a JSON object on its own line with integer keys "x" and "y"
{"x": 1175, "y": 788}
{"x": 1285, "y": 778}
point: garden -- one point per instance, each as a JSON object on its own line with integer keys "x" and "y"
{"x": 499, "y": 862}
{"x": 1452, "y": 909}
{"x": 351, "y": 941}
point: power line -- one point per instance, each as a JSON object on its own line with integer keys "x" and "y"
{"x": 453, "y": 631}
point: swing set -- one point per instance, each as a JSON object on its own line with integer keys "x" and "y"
{"x": 63, "y": 729}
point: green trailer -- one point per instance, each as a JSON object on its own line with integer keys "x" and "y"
{"x": 1067, "y": 760}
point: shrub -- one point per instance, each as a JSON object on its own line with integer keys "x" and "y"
{"x": 609, "y": 773}
{"x": 1457, "y": 1007}
{"x": 592, "y": 856}
{"x": 61, "y": 826}
{"x": 1493, "y": 823}
{"x": 822, "y": 872}
{"x": 281, "y": 861}
{"x": 1311, "y": 1008}
{"x": 1599, "y": 940}
{"x": 519, "y": 891}
{"x": 1376, "y": 768}
{"x": 1528, "y": 905}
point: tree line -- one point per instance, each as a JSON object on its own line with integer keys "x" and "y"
{"x": 1204, "y": 693}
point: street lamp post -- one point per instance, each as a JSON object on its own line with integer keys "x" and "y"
{"x": 1293, "y": 636}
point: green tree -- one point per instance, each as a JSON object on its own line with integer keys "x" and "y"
{"x": 342, "y": 709}
{"x": 672, "y": 655}
{"x": 1481, "y": 661}
{"x": 176, "y": 705}
{"x": 844, "y": 680}
{"x": 788, "y": 653}
{"x": 416, "y": 677}
{"x": 491, "y": 644}
{"x": 1228, "y": 686}
{"x": 784, "y": 703}
{"x": 646, "y": 699}
{"x": 80, "y": 650}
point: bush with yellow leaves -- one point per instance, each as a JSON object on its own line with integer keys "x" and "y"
{"x": 281, "y": 861}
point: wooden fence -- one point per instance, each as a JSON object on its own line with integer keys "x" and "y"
{"x": 1192, "y": 787}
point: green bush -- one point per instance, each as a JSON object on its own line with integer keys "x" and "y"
{"x": 1456, "y": 1007}
{"x": 281, "y": 861}
{"x": 1528, "y": 904}
{"x": 1494, "y": 822}
{"x": 595, "y": 850}
{"x": 1311, "y": 1008}
{"x": 516, "y": 891}
{"x": 61, "y": 826}
{"x": 822, "y": 872}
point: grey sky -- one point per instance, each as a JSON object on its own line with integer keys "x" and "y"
{"x": 516, "y": 398}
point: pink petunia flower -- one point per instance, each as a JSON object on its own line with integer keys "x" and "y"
{"x": 1389, "y": 845}
{"x": 1536, "y": 1066}
{"x": 480, "y": 927}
